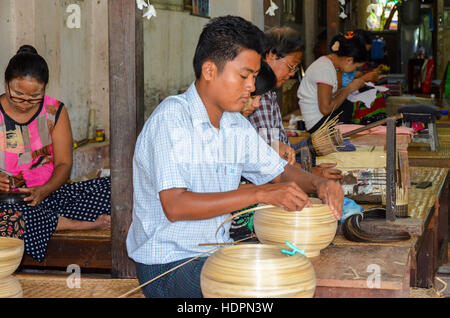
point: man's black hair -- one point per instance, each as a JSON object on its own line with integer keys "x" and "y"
{"x": 283, "y": 41}
{"x": 265, "y": 81}
{"x": 223, "y": 38}
{"x": 27, "y": 62}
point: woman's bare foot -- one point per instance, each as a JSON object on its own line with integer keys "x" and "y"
{"x": 103, "y": 222}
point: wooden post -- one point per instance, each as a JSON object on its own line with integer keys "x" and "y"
{"x": 310, "y": 9}
{"x": 391, "y": 169}
{"x": 126, "y": 118}
{"x": 332, "y": 19}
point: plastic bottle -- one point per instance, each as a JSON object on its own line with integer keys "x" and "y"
{"x": 444, "y": 113}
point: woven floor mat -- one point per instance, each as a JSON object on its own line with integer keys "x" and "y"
{"x": 48, "y": 286}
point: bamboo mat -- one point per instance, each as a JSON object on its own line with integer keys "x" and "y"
{"x": 55, "y": 286}
{"x": 52, "y": 287}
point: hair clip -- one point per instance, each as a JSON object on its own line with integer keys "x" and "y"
{"x": 349, "y": 35}
{"x": 336, "y": 46}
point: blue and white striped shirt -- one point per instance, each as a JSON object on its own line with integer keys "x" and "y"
{"x": 180, "y": 148}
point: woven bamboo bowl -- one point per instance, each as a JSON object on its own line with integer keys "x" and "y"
{"x": 311, "y": 229}
{"x": 11, "y": 253}
{"x": 10, "y": 288}
{"x": 257, "y": 271}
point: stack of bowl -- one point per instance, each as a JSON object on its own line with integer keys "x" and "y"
{"x": 311, "y": 229}
{"x": 257, "y": 271}
{"x": 11, "y": 253}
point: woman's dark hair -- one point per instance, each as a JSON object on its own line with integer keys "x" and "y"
{"x": 27, "y": 62}
{"x": 349, "y": 45}
{"x": 283, "y": 41}
{"x": 265, "y": 81}
{"x": 364, "y": 36}
{"x": 223, "y": 38}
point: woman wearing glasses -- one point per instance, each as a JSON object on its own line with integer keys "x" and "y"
{"x": 284, "y": 50}
{"x": 36, "y": 160}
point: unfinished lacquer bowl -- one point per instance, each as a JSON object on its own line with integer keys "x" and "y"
{"x": 257, "y": 271}
{"x": 311, "y": 229}
{"x": 10, "y": 288}
{"x": 11, "y": 253}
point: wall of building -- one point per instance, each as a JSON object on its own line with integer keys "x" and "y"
{"x": 77, "y": 57}
{"x": 170, "y": 40}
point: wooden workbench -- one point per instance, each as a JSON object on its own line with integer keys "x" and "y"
{"x": 346, "y": 269}
{"x": 420, "y": 154}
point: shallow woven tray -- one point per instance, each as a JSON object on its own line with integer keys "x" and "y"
{"x": 49, "y": 286}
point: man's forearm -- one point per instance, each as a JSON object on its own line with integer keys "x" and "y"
{"x": 305, "y": 180}
{"x": 179, "y": 204}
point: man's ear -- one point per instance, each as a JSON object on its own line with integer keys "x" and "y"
{"x": 209, "y": 70}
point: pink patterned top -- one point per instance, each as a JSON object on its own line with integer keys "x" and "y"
{"x": 26, "y": 150}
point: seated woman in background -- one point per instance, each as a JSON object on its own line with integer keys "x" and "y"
{"x": 364, "y": 114}
{"x": 283, "y": 53}
{"x": 319, "y": 96}
{"x": 36, "y": 160}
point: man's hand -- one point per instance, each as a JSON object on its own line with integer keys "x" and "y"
{"x": 287, "y": 153}
{"x": 331, "y": 193}
{"x": 288, "y": 196}
{"x": 325, "y": 170}
{"x": 37, "y": 195}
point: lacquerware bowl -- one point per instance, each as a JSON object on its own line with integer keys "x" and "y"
{"x": 257, "y": 271}
{"x": 11, "y": 253}
{"x": 311, "y": 229}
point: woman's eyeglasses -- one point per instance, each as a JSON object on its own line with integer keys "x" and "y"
{"x": 291, "y": 68}
{"x": 19, "y": 100}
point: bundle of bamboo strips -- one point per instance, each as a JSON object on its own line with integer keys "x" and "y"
{"x": 401, "y": 202}
{"x": 326, "y": 139}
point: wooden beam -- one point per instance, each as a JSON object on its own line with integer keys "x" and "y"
{"x": 126, "y": 118}
{"x": 391, "y": 169}
{"x": 332, "y": 19}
